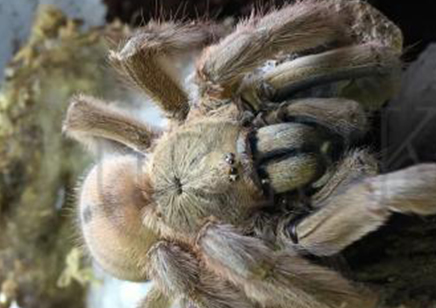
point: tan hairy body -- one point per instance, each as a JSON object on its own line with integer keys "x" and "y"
{"x": 213, "y": 209}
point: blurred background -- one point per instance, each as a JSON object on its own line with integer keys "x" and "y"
{"x": 51, "y": 49}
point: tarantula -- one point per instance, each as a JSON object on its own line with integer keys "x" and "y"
{"x": 258, "y": 166}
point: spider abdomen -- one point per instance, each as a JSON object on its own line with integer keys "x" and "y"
{"x": 111, "y": 206}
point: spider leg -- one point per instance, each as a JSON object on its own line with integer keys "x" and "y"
{"x": 294, "y": 28}
{"x": 275, "y": 278}
{"x": 370, "y": 66}
{"x": 155, "y": 299}
{"x": 148, "y": 61}
{"x": 342, "y": 117}
{"x": 361, "y": 205}
{"x": 180, "y": 276}
{"x": 89, "y": 120}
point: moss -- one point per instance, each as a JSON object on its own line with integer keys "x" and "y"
{"x": 38, "y": 166}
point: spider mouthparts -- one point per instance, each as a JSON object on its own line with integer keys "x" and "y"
{"x": 288, "y": 156}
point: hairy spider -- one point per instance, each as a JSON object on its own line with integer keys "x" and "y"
{"x": 257, "y": 167}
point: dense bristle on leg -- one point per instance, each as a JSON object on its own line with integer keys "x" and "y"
{"x": 151, "y": 58}
{"x": 181, "y": 276}
{"x": 364, "y": 205}
{"x": 90, "y": 120}
{"x": 294, "y": 28}
{"x": 279, "y": 279}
